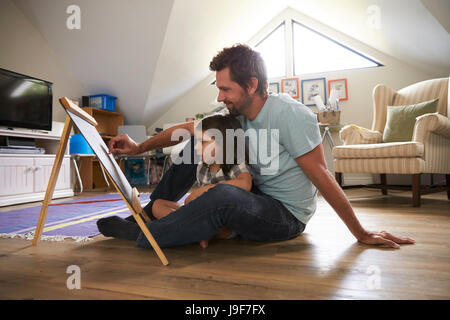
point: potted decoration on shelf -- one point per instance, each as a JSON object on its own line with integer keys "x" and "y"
{"x": 329, "y": 114}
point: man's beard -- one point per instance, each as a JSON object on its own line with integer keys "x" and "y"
{"x": 234, "y": 112}
{"x": 240, "y": 106}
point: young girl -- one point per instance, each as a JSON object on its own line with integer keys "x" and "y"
{"x": 211, "y": 172}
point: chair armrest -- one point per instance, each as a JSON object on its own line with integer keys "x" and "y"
{"x": 353, "y": 134}
{"x": 431, "y": 122}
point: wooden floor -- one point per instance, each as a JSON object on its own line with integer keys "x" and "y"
{"x": 325, "y": 262}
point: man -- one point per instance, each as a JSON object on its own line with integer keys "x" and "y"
{"x": 285, "y": 187}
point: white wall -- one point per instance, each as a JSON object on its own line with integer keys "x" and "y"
{"x": 24, "y": 50}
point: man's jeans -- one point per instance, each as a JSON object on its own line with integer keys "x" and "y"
{"x": 253, "y": 215}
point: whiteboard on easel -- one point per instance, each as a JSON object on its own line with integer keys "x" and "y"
{"x": 106, "y": 159}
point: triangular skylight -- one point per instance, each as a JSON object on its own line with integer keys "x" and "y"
{"x": 315, "y": 52}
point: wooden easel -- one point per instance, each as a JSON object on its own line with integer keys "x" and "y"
{"x": 135, "y": 207}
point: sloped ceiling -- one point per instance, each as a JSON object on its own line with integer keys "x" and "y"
{"x": 151, "y": 52}
{"x": 440, "y": 9}
{"x": 115, "y": 51}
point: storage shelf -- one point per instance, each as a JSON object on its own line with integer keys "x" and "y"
{"x": 92, "y": 110}
{"x": 107, "y": 124}
{"x": 107, "y": 121}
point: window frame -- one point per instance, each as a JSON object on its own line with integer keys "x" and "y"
{"x": 293, "y": 22}
{"x": 286, "y": 54}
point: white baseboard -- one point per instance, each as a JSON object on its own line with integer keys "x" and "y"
{"x": 38, "y": 196}
{"x": 352, "y": 179}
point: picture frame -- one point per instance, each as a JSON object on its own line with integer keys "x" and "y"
{"x": 290, "y": 86}
{"x": 274, "y": 87}
{"x": 311, "y": 88}
{"x": 340, "y": 85}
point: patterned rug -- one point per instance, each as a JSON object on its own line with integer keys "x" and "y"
{"x": 74, "y": 219}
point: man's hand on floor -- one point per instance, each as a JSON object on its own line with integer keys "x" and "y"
{"x": 385, "y": 238}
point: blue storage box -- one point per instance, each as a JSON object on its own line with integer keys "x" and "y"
{"x": 79, "y": 145}
{"x": 103, "y": 101}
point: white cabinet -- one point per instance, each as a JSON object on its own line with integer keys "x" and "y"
{"x": 16, "y": 175}
{"x": 24, "y": 178}
{"x": 43, "y": 169}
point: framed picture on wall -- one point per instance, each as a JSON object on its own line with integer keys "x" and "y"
{"x": 311, "y": 88}
{"x": 340, "y": 85}
{"x": 290, "y": 86}
{"x": 274, "y": 87}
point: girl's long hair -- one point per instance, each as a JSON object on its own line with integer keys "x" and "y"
{"x": 222, "y": 123}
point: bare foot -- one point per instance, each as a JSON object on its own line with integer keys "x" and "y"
{"x": 224, "y": 233}
{"x": 204, "y": 244}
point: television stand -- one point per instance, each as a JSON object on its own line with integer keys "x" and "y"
{"x": 21, "y": 150}
{"x": 17, "y": 142}
{"x": 24, "y": 177}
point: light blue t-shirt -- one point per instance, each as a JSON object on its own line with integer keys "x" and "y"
{"x": 283, "y": 130}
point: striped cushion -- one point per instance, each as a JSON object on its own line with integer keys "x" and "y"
{"x": 380, "y": 165}
{"x": 380, "y": 150}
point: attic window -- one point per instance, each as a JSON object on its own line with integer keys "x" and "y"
{"x": 273, "y": 51}
{"x": 315, "y": 52}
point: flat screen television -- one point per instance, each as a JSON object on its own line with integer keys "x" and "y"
{"x": 25, "y": 102}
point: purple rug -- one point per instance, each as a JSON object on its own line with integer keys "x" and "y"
{"x": 71, "y": 220}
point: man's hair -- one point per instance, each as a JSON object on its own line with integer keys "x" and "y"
{"x": 244, "y": 63}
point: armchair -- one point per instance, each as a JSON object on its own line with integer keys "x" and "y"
{"x": 363, "y": 150}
